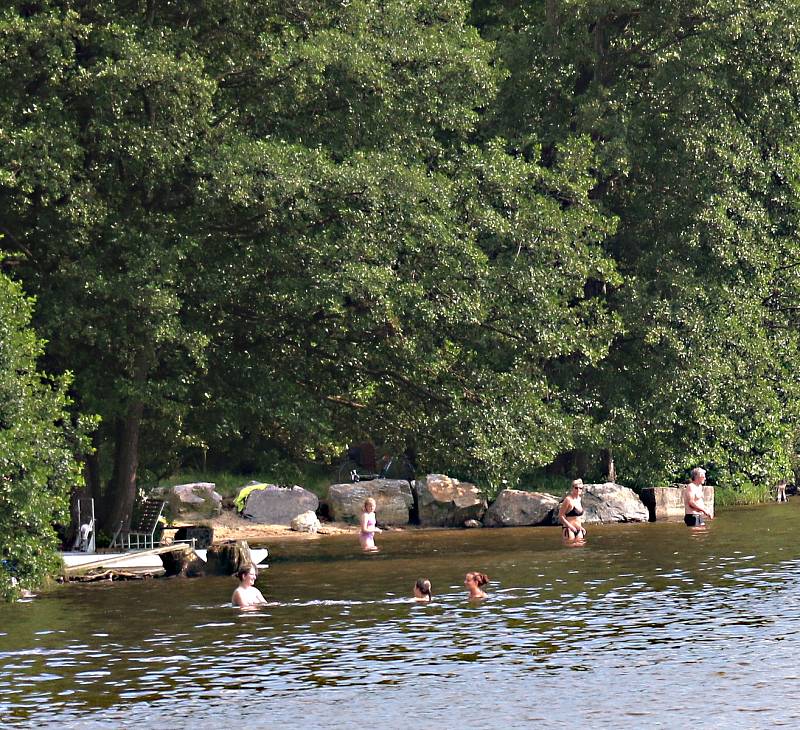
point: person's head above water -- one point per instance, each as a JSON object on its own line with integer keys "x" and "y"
{"x": 474, "y": 582}
{"x": 247, "y": 570}
{"x": 422, "y": 590}
{"x": 481, "y": 579}
{"x": 369, "y": 504}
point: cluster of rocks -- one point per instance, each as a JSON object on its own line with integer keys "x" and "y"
{"x": 438, "y": 500}
{"x": 435, "y": 500}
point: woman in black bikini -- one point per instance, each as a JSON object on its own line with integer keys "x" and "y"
{"x": 570, "y": 514}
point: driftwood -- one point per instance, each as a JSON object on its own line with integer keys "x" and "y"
{"x": 111, "y": 575}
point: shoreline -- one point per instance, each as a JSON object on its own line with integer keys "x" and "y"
{"x": 230, "y": 526}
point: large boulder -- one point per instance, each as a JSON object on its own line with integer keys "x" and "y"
{"x": 306, "y": 522}
{"x": 393, "y": 500}
{"x": 446, "y": 502}
{"x": 515, "y": 508}
{"x": 197, "y": 500}
{"x": 610, "y": 502}
{"x": 276, "y": 505}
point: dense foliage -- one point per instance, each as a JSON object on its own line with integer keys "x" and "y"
{"x": 37, "y": 451}
{"x": 693, "y": 114}
{"x": 500, "y": 234}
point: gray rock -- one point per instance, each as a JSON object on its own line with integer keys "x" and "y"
{"x": 515, "y": 508}
{"x": 279, "y": 505}
{"x": 446, "y": 502}
{"x": 306, "y": 522}
{"x": 393, "y": 500}
{"x": 665, "y": 503}
{"x": 196, "y": 500}
{"x": 472, "y": 524}
{"x": 610, "y": 502}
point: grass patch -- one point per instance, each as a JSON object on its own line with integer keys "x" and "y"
{"x": 553, "y": 484}
{"x": 313, "y": 477}
{"x": 751, "y": 494}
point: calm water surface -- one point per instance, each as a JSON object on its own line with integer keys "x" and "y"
{"x": 649, "y": 625}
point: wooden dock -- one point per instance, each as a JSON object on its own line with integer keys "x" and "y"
{"x": 79, "y": 564}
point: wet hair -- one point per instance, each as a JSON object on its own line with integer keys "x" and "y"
{"x": 424, "y": 587}
{"x": 369, "y": 501}
{"x": 696, "y": 472}
{"x": 244, "y": 570}
{"x": 480, "y": 578}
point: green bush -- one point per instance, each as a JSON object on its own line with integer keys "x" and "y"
{"x": 38, "y": 443}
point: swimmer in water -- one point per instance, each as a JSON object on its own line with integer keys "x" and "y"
{"x": 247, "y": 595}
{"x": 474, "y": 583}
{"x": 422, "y": 591}
{"x": 570, "y": 514}
{"x": 368, "y": 527}
{"x": 693, "y": 503}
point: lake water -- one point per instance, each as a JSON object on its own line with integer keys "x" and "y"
{"x": 651, "y": 625}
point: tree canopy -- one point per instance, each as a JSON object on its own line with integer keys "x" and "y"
{"x": 498, "y": 232}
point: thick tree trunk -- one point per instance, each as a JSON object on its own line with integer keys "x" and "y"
{"x": 122, "y": 490}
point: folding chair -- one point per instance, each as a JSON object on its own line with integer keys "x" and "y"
{"x": 144, "y": 526}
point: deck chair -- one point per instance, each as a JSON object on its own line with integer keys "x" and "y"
{"x": 144, "y": 526}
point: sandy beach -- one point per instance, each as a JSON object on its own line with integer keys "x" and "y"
{"x": 230, "y": 526}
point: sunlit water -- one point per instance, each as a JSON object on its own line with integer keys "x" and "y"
{"x": 651, "y": 625}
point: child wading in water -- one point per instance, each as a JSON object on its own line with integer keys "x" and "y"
{"x": 368, "y": 527}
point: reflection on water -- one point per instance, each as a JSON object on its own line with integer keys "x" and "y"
{"x": 647, "y": 625}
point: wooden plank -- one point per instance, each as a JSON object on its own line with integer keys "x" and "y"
{"x": 120, "y": 559}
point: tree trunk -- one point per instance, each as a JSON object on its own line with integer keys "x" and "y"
{"x": 600, "y": 40}
{"x": 553, "y": 20}
{"x": 610, "y": 469}
{"x": 122, "y": 490}
{"x": 91, "y": 475}
{"x": 121, "y": 494}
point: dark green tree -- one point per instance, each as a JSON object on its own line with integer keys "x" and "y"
{"x": 277, "y": 222}
{"x": 692, "y": 110}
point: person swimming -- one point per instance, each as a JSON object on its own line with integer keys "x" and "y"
{"x": 474, "y": 583}
{"x": 247, "y": 595}
{"x": 570, "y": 514}
{"x": 422, "y": 590}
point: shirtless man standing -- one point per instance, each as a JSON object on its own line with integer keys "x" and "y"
{"x": 693, "y": 506}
